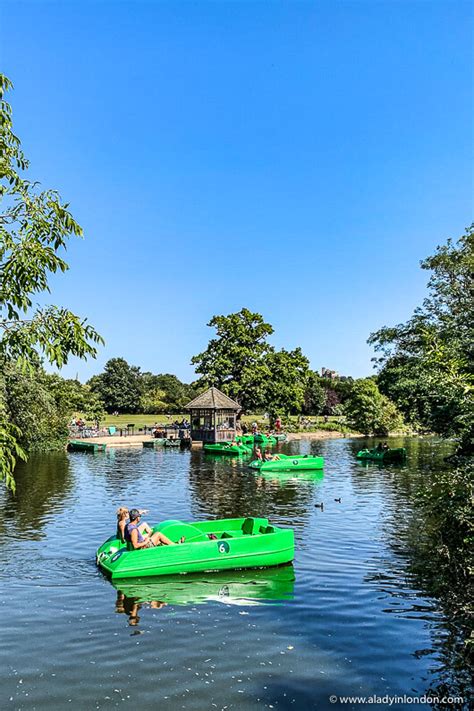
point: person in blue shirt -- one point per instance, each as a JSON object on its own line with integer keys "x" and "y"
{"x": 134, "y": 536}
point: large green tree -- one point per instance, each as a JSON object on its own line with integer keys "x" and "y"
{"x": 285, "y": 388}
{"x": 369, "y": 411}
{"x": 165, "y": 393}
{"x": 426, "y": 364}
{"x": 30, "y": 402}
{"x": 35, "y": 226}
{"x": 119, "y": 386}
{"x": 314, "y": 395}
{"x": 234, "y": 361}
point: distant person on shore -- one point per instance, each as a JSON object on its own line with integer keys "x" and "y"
{"x": 254, "y": 428}
{"x": 278, "y": 424}
{"x": 134, "y": 536}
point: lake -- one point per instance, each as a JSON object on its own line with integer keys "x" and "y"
{"x": 346, "y": 619}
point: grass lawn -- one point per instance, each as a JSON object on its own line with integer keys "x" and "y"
{"x": 141, "y": 420}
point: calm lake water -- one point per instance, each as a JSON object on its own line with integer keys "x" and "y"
{"x": 345, "y": 619}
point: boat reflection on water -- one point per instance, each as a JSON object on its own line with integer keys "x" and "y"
{"x": 237, "y": 587}
{"x": 314, "y": 475}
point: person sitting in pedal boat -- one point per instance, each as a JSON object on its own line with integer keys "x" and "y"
{"x": 123, "y": 517}
{"x": 137, "y": 540}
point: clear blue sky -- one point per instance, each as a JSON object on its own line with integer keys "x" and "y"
{"x": 296, "y": 158}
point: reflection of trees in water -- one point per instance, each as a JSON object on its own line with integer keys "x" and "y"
{"x": 122, "y": 467}
{"x": 42, "y": 484}
{"x": 409, "y": 574}
{"x": 226, "y": 489}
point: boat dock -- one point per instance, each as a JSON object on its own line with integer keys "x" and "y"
{"x": 99, "y": 444}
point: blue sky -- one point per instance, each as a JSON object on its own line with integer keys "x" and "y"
{"x": 296, "y": 158}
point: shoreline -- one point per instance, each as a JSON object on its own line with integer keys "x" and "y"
{"x": 137, "y": 440}
{"x": 320, "y": 434}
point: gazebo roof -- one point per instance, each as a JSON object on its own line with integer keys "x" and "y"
{"x": 212, "y": 399}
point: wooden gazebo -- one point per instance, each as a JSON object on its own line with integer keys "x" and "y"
{"x": 213, "y": 417}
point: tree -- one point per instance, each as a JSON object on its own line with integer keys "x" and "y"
{"x": 31, "y": 405}
{"x": 426, "y": 365}
{"x": 285, "y": 388}
{"x": 332, "y": 400}
{"x": 118, "y": 386}
{"x": 174, "y": 394}
{"x": 369, "y": 411}
{"x": 72, "y": 397}
{"x": 314, "y": 395}
{"x": 35, "y": 227}
{"x": 153, "y": 400}
{"x": 235, "y": 360}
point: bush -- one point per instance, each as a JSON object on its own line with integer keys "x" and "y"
{"x": 370, "y": 412}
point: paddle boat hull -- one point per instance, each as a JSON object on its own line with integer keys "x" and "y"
{"x": 245, "y": 439}
{"x": 259, "y": 439}
{"x": 77, "y": 445}
{"x": 227, "y": 449}
{"x": 288, "y": 463}
{"x": 385, "y": 456}
{"x": 237, "y": 543}
{"x": 171, "y": 443}
{"x": 264, "y": 439}
{"x": 156, "y": 442}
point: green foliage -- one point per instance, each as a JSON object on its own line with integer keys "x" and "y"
{"x": 442, "y": 537}
{"x": 32, "y": 408}
{"x": 314, "y": 395}
{"x": 447, "y": 503}
{"x": 426, "y": 365}
{"x": 124, "y": 388}
{"x": 35, "y": 227}
{"x": 370, "y": 412}
{"x": 118, "y": 386}
{"x": 242, "y": 363}
{"x": 153, "y": 400}
{"x": 164, "y": 393}
{"x": 338, "y": 426}
{"x": 235, "y": 360}
{"x": 73, "y": 397}
{"x": 284, "y": 390}
{"x": 10, "y": 449}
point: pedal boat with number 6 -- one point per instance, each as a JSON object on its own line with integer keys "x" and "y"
{"x": 284, "y": 462}
{"x": 225, "y": 544}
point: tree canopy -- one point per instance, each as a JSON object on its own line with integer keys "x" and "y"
{"x": 118, "y": 386}
{"x": 426, "y": 364}
{"x": 35, "y": 226}
{"x": 285, "y": 388}
{"x": 235, "y": 361}
{"x": 370, "y": 412}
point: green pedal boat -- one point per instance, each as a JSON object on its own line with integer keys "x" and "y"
{"x": 225, "y": 544}
{"x": 226, "y": 448}
{"x": 264, "y": 439}
{"x": 288, "y": 463}
{"x": 172, "y": 443}
{"x": 386, "y": 455}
